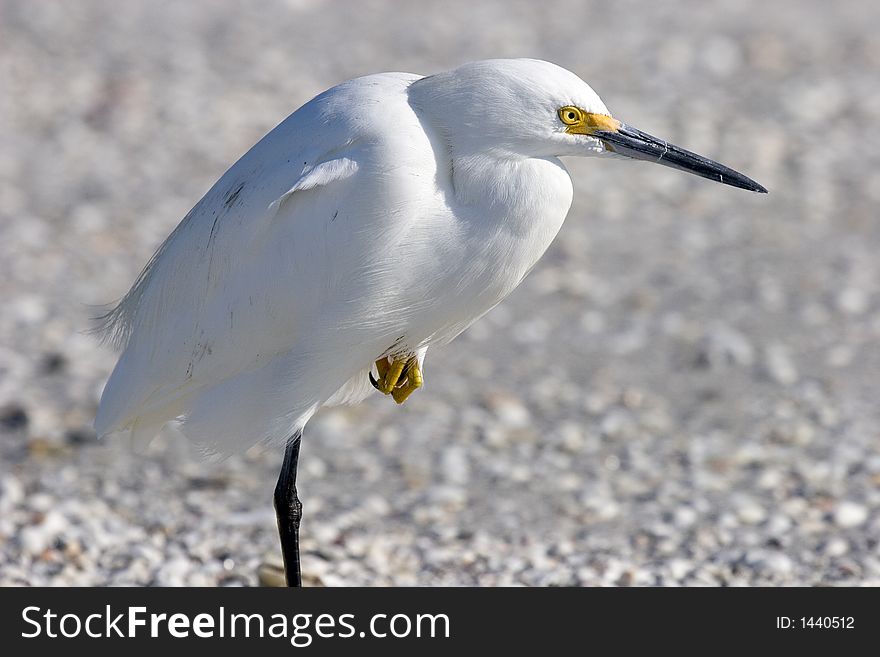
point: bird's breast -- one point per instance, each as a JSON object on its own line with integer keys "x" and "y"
{"x": 520, "y": 211}
{"x": 503, "y": 220}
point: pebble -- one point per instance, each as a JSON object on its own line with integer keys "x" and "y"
{"x": 11, "y": 493}
{"x": 850, "y": 514}
{"x": 780, "y": 365}
{"x": 836, "y": 547}
{"x": 37, "y": 538}
{"x": 751, "y": 513}
{"x": 728, "y": 346}
{"x": 852, "y": 300}
{"x": 456, "y": 467}
{"x": 778, "y": 563}
{"x": 510, "y": 411}
{"x": 685, "y": 516}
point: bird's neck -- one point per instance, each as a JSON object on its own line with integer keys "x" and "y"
{"x": 520, "y": 189}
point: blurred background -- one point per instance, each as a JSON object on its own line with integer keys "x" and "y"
{"x": 684, "y": 391}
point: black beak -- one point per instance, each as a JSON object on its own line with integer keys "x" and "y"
{"x": 640, "y": 145}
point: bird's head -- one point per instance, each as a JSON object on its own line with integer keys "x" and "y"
{"x": 532, "y": 108}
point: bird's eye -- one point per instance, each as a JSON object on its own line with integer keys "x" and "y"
{"x": 570, "y": 115}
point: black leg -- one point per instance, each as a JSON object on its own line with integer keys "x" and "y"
{"x": 288, "y": 509}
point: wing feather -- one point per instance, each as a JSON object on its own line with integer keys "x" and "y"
{"x": 185, "y": 304}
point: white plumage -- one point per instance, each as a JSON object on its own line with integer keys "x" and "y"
{"x": 382, "y": 217}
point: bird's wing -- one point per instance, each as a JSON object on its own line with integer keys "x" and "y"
{"x": 252, "y": 270}
{"x": 178, "y": 323}
{"x": 321, "y": 174}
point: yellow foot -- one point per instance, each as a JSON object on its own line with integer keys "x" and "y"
{"x": 412, "y": 382}
{"x": 399, "y": 378}
{"x": 389, "y": 374}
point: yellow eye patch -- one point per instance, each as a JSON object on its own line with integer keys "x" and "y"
{"x": 580, "y": 122}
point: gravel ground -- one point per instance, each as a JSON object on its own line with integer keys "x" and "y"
{"x": 684, "y": 392}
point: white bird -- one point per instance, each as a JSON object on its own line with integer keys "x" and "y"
{"x": 381, "y": 218}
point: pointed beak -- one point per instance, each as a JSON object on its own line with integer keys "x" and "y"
{"x": 631, "y": 142}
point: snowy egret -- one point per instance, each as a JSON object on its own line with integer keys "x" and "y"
{"x": 384, "y": 216}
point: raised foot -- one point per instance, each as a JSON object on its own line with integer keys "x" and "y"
{"x": 399, "y": 378}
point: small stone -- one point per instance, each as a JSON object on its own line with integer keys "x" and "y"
{"x": 520, "y": 473}
{"x": 316, "y": 467}
{"x": 839, "y": 356}
{"x": 836, "y": 547}
{"x": 617, "y": 424}
{"x": 770, "y": 478}
{"x": 633, "y": 398}
{"x": 271, "y": 574}
{"x": 509, "y": 411}
{"x": 850, "y": 514}
{"x": 685, "y": 516}
{"x": 30, "y": 308}
{"x": 531, "y": 331}
{"x": 53, "y": 363}
{"x": 727, "y": 346}
{"x": 721, "y": 55}
{"x": 779, "y": 524}
{"x": 778, "y": 563}
{"x": 751, "y": 513}
{"x": 593, "y": 322}
{"x": 455, "y": 465}
{"x": 571, "y": 437}
{"x": 852, "y": 300}
{"x": 779, "y": 365}
{"x": 679, "y": 568}
{"x": 13, "y": 417}
{"x": 612, "y": 463}
{"x": 11, "y": 492}
{"x": 174, "y": 572}
{"x": 376, "y": 506}
{"x": 36, "y": 539}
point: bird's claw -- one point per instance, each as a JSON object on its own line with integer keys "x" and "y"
{"x": 399, "y": 378}
{"x": 389, "y": 374}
